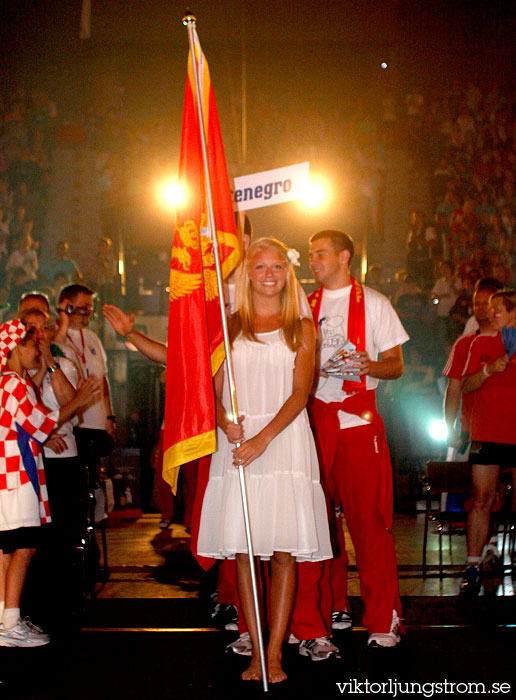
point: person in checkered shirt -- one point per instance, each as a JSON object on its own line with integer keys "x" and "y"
{"x": 24, "y": 425}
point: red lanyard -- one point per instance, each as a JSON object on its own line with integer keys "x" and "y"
{"x": 82, "y": 354}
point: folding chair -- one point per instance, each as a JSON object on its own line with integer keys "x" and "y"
{"x": 444, "y": 477}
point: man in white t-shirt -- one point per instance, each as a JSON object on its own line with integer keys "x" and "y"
{"x": 354, "y": 455}
{"x": 95, "y": 431}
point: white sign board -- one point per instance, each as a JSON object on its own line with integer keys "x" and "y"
{"x": 270, "y": 187}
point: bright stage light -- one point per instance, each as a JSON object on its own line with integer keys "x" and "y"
{"x": 437, "y": 430}
{"x": 171, "y": 194}
{"x": 315, "y": 194}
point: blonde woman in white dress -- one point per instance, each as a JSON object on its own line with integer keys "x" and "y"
{"x": 273, "y": 358}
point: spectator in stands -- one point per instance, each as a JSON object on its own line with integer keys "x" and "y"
{"x": 419, "y": 260}
{"x": 434, "y": 242}
{"x": 448, "y": 205}
{"x": 462, "y": 249}
{"x": 506, "y": 258}
{"x": 4, "y": 221}
{"x": 60, "y": 264}
{"x": 494, "y": 231}
{"x": 415, "y": 103}
{"x": 24, "y": 256}
{"x": 463, "y": 306}
{"x": 53, "y": 291}
{"x": 501, "y": 272}
{"x": 4, "y": 254}
{"x": 20, "y": 283}
{"x": 104, "y": 271}
{"x": 444, "y": 295}
{"x": 508, "y": 221}
{"x": 441, "y": 176}
{"x": 6, "y": 196}
{"x": 483, "y": 212}
{"x": 376, "y": 280}
{"x": 412, "y": 307}
{"x": 464, "y": 217}
{"x": 442, "y": 228}
{"x": 17, "y": 223}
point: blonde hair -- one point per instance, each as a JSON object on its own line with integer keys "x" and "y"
{"x": 243, "y": 320}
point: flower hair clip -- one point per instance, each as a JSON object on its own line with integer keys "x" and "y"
{"x": 293, "y": 256}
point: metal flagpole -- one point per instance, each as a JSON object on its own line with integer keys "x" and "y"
{"x": 189, "y": 21}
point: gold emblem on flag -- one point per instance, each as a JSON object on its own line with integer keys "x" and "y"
{"x": 183, "y": 283}
{"x": 182, "y": 256}
{"x": 189, "y": 235}
{"x": 210, "y": 284}
{"x": 182, "y": 280}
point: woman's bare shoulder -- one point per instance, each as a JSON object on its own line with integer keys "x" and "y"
{"x": 308, "y": 331}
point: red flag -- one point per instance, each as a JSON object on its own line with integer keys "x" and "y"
{"x": 195, "y": 340}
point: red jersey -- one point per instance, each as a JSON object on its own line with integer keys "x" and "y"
{"x": 455, "y": 370}
{"x": 493, "y": 418}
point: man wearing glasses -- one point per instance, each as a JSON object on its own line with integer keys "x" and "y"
{"x": 84, "y": 347}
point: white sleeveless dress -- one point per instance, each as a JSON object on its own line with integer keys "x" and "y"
{"x": 287, "y": 507}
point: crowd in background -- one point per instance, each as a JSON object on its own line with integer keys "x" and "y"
{"x": 27, "y": 129}
{"x": 462, "y": 141}
{"x": 465, "y": 141}
{"x": 28, "y": 125}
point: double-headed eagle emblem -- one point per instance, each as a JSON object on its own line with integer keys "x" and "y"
{"x": 182, "y": 280}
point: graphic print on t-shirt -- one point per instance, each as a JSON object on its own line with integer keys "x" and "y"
{"x": 333, "y": 332}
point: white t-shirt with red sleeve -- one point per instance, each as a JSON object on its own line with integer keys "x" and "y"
{"x": 384, "y": 331}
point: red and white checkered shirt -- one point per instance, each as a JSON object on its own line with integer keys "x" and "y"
{"x": 24, "y": 425}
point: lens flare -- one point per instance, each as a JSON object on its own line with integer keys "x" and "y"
{"x": 171, "y": 194}
{"x": 437, "y": 430}
{"x": 315, "y": 195}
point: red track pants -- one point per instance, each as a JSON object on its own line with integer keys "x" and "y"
{"x": 357, "y": 472}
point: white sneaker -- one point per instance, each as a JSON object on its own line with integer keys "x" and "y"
{"x": 491, "y": 563}
{"x": 242, "y": 646}
{"x": 225, "y": 614}
{"x": 386, "y": 639}
{"x": 318, "y": 649}
{"x": 33, "y": 631}
{"x": 23, "y": 634}
{"x": 341, "y": 620}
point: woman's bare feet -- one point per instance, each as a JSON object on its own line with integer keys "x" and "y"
{"x": 254, "y": 671}
{"x": 275, "y": 672}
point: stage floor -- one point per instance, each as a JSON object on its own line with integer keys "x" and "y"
{"x": 149, "y": 634}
